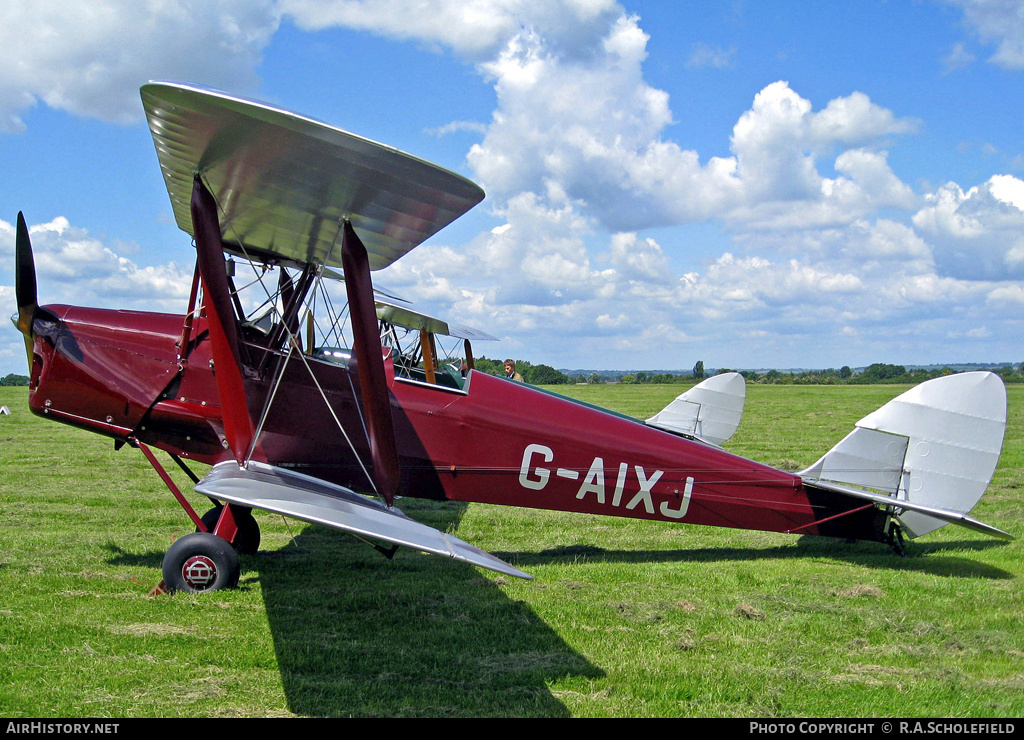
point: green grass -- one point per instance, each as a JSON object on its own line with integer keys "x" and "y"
{"x": 625, "y": 618}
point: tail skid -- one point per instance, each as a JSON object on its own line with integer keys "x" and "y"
{"x": 928, "y": 454}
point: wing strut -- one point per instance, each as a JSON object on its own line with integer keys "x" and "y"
{"x": 370, "y": 362}
{"x": 238, "y": 428}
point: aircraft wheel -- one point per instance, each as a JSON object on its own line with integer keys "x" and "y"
{"x": 200, "y": 562}
{"x": 247, "y": 542}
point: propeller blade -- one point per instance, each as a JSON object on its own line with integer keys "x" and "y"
{"x": 25, "y": 284}
{"x": 25, "y": 277}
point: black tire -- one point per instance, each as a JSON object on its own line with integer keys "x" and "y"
{"x": 200, "y": 562}
{"x": 247, "y": 541}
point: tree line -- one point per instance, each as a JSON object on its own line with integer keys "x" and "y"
{"x": 878, "y": 372}
{"x": 541, "y": 374}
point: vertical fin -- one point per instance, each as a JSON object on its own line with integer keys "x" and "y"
{"x": 710, "y": 411}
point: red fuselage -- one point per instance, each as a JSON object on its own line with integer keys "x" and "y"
{"x": 125, "y": 375}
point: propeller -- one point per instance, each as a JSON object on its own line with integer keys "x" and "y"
{"x": 25, "y": 284}
{"x": 31, "y": 320}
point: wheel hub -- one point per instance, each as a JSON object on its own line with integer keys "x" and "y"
{"x": 199, "y": 572}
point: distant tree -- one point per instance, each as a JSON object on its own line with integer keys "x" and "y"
{"x": 542, "y": 375}
{"x": 698, "y": 370}
{"x": 845, "y": 372}
{"x": 491, "y": 367}
{"x": 13, "y": 379}
{"x": 594, "y": 378}
{"x": 628, "y": 379}
{"x": 881, "y": 371}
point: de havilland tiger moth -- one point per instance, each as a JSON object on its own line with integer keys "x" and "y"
{"x": 328, "y": 412}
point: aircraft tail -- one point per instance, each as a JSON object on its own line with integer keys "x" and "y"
{"x": 710, "y": 411}
{"x": 928, "y": 455}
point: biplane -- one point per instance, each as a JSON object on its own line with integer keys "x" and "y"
{"x": 310, "y": 394}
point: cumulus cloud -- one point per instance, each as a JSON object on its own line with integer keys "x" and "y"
{"x": 977, "y": 234}
{"x": 823, "y": 240}
{"x": 577, "y": 164}
{"x": 74, "y": 266}
{"x": 476, "y": 29}
{"x": 89, "y": 59}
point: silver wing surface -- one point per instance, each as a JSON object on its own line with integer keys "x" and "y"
{"x": 410, "y": 319}
{"x": 270, "y": 488}
{"x": 285, "y": 184}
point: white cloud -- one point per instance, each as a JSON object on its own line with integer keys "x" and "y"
{"x": 705, "y": 56}
{"x": 957, "y": 58}
{"x": 978, "y": 233}
{"x": 1000, "y": 22}
{"x": 828, "y": 248}
{"x": 476, "y": 29}
{"x": 90, "y": 58}
{"x": 576, "y": 162}
{"x": 73, "y": 266}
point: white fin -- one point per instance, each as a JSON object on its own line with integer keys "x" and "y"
{"x": 937, "y": 445}
{"x": 710, "y": 411}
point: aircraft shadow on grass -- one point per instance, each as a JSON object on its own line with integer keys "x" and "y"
{"x": 419, "y": 636}
{"x": 865, "y": 554}
{"x": 356, "y": 634}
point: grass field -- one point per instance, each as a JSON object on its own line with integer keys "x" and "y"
{"x": 624, "y": 619}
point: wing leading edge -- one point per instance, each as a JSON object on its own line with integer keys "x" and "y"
{"x": 271, "y": 488}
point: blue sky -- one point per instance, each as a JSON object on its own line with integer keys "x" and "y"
{"x": 751, "y": 184}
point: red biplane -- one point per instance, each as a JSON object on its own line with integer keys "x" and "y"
{"x": 325, "y": 413}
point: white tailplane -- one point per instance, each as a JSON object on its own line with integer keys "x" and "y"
{"x": 929, "y": 453}
{"x": 710, "y": 411}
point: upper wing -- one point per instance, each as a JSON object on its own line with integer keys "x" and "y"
{"x": 410, "y": 319}
{"x": 285, "y": 183}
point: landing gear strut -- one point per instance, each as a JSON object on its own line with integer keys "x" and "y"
{"x": 247, "y": 539}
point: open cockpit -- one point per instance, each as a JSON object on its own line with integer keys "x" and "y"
{"x": 283, "y": 311}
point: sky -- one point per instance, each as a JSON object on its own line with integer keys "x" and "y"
{"x": 751, "y": 184}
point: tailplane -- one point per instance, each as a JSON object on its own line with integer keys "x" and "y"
{"x": 928, "y": 455}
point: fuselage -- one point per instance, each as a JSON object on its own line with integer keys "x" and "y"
{"x": 135, "y": 375}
